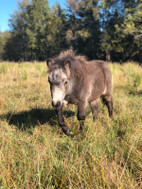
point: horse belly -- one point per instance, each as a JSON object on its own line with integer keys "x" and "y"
{"x": 97, "y": 91}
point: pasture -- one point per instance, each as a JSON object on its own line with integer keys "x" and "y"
{"x": 34, "y": 152}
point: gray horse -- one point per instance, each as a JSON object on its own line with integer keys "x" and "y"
{"x": 75, "y": 80}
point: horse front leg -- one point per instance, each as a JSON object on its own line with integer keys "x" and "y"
{"x": 94, "y": 109}
{"x": 81, "y": 113}
{"x": 61, "y": 122}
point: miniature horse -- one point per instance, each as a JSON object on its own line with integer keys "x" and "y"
{"x": 75, "y": 80}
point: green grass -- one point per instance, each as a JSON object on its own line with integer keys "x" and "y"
{"x": 34, "y": 153}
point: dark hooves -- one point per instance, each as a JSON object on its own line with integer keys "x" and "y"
{"x": 111, "y": 116}
{"x": 66, "y": 131}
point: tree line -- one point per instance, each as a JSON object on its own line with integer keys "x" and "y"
{"x": 100, "y": 29}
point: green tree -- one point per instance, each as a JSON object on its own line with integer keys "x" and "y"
{"x": 132, "y": 26}
{"x": 27, "y": 31}
{"x": 111, "y": 15}
{"x": 15, "y": 48}
{"x": 37, "y": 31}
{"x": 133, "y": 21}
{"x": 56, "y": 30}
{"x": 99, "y": 29}
{"x": 1, "y": 45}
{"x": 129, "y": 31}
{"x": 84, "y": 30}
{"x": 37, "y": 18}
{"x": 4, "y": 36}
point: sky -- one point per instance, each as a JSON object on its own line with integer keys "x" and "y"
{"x": 8, "y": 6}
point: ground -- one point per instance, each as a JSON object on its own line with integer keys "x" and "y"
{"x": 34, "y": 153}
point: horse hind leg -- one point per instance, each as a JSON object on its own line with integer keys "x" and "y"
{"x": 107, "y": 100}
{"x": 94, "y": 109}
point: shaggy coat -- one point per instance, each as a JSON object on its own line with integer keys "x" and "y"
{"x": 75, "y": 80}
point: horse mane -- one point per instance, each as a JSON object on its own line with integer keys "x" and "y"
{"x": 79, "y": 64}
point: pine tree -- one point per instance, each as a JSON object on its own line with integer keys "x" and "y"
{"x": 56, "y": 30}
{"x": 4, "y": 37}
{"x": 111, "y": 15}
{"x": 130, "y": 31}
{"x": 84, "y": 31}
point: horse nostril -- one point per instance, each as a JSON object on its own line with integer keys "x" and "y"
{"x": 56, "y": 105}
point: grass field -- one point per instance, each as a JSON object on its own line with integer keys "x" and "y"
{"x": 34, "y": 153}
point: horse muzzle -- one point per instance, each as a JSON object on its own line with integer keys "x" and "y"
{"x": 57, "y": 105}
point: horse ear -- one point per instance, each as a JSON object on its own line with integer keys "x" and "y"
{"x": 49, "y": 62}
{"x": 67, "y": 65}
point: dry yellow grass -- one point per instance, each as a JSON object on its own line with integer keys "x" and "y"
{"x": 34, "y": 153}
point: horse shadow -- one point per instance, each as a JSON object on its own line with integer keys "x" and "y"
{"x": 27, "y": 119}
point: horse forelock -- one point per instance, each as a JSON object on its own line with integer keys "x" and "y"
{"x": 79, "y": 64}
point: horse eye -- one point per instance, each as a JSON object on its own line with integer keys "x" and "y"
{"x": 65, "y": 82}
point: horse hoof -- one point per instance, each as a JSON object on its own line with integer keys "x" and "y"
{"x": 66, "y": 131}
{"x": 111, "y": 116}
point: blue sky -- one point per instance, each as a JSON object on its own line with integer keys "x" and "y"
{"x": 8, "y": 6}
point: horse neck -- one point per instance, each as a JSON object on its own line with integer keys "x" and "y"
{"x": 72, "y": 85}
